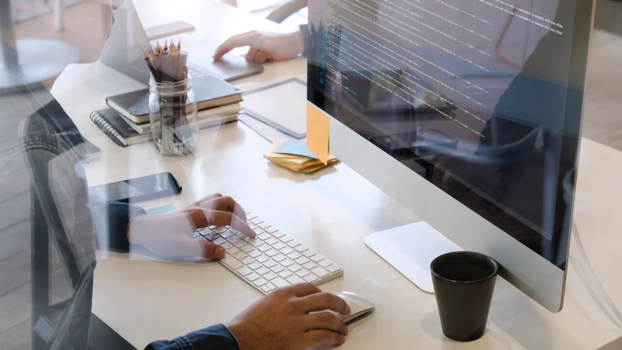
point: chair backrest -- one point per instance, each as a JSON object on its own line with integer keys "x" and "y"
{"x": 285, "y": 10}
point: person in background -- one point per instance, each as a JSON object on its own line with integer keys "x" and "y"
{"x": 46, "y": 199}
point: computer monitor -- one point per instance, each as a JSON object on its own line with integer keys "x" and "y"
{"x": 468, "y": 113}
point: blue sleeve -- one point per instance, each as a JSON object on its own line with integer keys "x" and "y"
{"x": 215, "y": 337}
{"x": 111, "y": 220}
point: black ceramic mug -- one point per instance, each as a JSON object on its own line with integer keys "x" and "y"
{"x": 463, "y": 285}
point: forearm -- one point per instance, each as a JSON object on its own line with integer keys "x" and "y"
{"x": 214, "y": 337}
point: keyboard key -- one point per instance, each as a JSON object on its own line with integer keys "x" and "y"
{"x": 262, "y": 258}
{"x": 333, "y": 268}
{"x": 272, "y": 252}
{"x": 264, "y": 248}
{"x": 210, "y": 236}
{"x": 256, "y": 220}
{"x": 251, "y": 217}
{"x": 270, "y": 263}
{"x": 310, "y": 265}
{"x": 301, "y": 248}
{"x": 244, "y": 270}
{"x": 286, "y": 250}
{"x": 317, "y": 258}
{"x": 260, "y": 282}
{"x": 255, "y": 242}
{"x": 286, "y": 262}
{"x": 271, "y": 241}
{"x": 219, "y": 240}
{"x": 293, "y": 279}
{"x": 233, "y": 250}
{"x": 220, "y": 230}
{"x": 277, "y": 268}
{"x": 285, "y": 273}
{"x": 320, "y": 272}
{"x": 279, "y": 282}
{"x": 233, "y": 239}
{"x": 286, "y": 239}
{"x": 302, "y": 272}
{"x": 273, "y": 231}
{"x": 240, "y": 244}
{"x": 294, "y": 255}
{"x": 279, "y": 257}
{"x": 226, "y": 245}
{"x": 240, "y": 255}
{"x": 255, "y": 265}
{"x": 231, "y": 262}
{"x": 310, "y": 278}
{"x": 280, "y": 245}
{"x": 294, "y": 267}
{"x": 264, "y": 236}
{"x": 227, "y": 234}
{"x": 293, "y": 243}
{"x": 264, "y": 225}
{"x": 248, "y": 248}
{"x": 309, "y": 253}
{"x": 267, "y": 287}
{"x": 262, "y": 270}
{"x": 302, "y": 260}
{"x": 270, "y": 276}
{"x": 255, "y": 253}
{"x": 253, "y": 276}
{"x": 248, "y": 260}
{"x": 325, "y": 263}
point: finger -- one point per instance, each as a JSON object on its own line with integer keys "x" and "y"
{"x": 325, "y": 320}
{"x": 225, "y": 203}
{"x": 302, "y": 289}
{"x": 250, "y": 55}
{"x": 323, "y": 301}
{"x": 206, "y": 199}
{"x": 205, "y": 217}
{"x": 211, "y": 250}
{"x": 319, "y": 337}
{"x": 262, "y": 57}
{"x": 246, "y": 39}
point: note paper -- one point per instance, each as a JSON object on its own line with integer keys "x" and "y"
{"x": 161, "y": 210}
{"x": 318, "y": 128}
{"x": 298, "y": 148}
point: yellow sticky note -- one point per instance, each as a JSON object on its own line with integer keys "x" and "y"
{"x": 318, "y": 129}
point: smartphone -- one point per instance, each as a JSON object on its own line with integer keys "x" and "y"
{"x": 92, "y": 151}
{"x": 138, "y": 189}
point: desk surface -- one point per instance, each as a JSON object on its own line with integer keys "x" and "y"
{"x": 331, "y": 211}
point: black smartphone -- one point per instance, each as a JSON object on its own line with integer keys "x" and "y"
{"x": 138, "y": 189}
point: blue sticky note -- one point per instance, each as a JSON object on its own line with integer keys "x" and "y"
{"x": 298, "y": 148}
{"x": 160, "y": 210}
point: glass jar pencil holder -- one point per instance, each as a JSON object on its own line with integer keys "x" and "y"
{"x": 173, "y": 117}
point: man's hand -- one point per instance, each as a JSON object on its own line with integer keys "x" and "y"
{"x": 264, "y": 46}
{"x": 170, "y": 235}
{"x": 281, "y": 320}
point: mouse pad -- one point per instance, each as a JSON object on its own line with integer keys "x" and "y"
{"x": 290, "y": 96}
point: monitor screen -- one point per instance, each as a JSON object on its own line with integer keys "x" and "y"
{"x": 478, "y": 97}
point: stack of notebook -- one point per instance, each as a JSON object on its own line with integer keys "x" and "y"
{"x": 127, "y": 121}
{"x": 296, "y": 156}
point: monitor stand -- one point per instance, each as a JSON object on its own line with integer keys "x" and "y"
{"x": 410, "y": 249}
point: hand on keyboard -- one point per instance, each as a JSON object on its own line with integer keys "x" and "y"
{"x": 282, "y": 320}
{"x": 170, "y": 235}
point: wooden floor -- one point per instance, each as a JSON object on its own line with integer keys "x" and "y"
{"x": 84, "y": 26}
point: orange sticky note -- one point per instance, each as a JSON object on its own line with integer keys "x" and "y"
{"x": 318, "y": 129}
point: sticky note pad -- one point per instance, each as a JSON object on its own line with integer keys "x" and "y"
{"x": 160, "y": 210}
{"x": 298, "y": 148}
{"x": 318, "y": 128}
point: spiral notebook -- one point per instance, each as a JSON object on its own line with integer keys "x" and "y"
{"x": 116, "y": 128}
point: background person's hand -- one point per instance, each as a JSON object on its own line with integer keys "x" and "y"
{"x": 281, "y": 320}
{"x": 170, "y": 235}
{"x": 264, "y": 46}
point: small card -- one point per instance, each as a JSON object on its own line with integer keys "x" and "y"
{"x": 160, "y": 210}
{"x": 299, "y": 148}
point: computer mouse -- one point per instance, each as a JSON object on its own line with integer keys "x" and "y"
{"x": 359, "y": 306}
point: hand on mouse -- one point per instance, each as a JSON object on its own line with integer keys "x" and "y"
{"x": 170, "y": 235}
{"x": 281, "y": 320}
{"x": 264, "y": 46}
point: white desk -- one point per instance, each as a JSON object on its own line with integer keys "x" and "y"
{"x": 331, "y": 211}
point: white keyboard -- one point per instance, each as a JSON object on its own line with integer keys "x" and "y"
{"x": 272, "y": 259}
